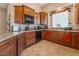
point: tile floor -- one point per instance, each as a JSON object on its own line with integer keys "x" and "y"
{"x": 46, "y": 48}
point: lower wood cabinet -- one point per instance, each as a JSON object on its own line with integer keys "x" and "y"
{"x": 8, "y": 47}
{"x": 30, "y": 38}
{"x": 75, "y": 40}
{"x": 49, "y": 35}
{"x": 54, "y": 36}
{"x": 21, "y": 43}
{"x": 15, "y": 45}
{"x": 60, "y": 36}
{"x": 67, "y": 38}
{"x": 77, "y": 44}
{"x": 46, "y": 35}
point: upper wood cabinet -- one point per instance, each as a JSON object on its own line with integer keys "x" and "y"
{"x": 43, "y": 17}
{"x": 18, "y": 14}
{"x": 77, "y": 13}
{"x": 20, "y": 11}
{"x": 28, "y": 11}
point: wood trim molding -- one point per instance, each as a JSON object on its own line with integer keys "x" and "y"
{"x": 60, "y": 10}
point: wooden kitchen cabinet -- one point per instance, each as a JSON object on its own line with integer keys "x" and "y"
{"x": 46, "y": 35}
{"x": 77, "y": 42}
{"x": 20, "y": 11}
{"x": 77, "y": 13}
{"x": 60, "y": 37}
{"x": 28, "y": 11}
{"x": 18, "y": 14}
{"x": 55, "y": 36}
{"x": 30, "y": 38}
{"x": 70, "y": 39}
{"x": 74, "y": 37}
{"x": 74, "y": 40}
{"x": 21, "y": 40}
{"x": 8, "y": 47}
{"x": 50, "y": 36}
{"x": 43, "y": 18}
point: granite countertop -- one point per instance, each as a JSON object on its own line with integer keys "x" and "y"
{"x": 7, "y": 35}
{"x": 63, "y": 30}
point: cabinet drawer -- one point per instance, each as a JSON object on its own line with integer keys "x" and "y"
{"x": 29, "y": 34}
{"x": 30, "y": 38}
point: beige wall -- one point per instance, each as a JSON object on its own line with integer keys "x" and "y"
{"x": 3, "y": 20}
{"x": 53, "y": 6}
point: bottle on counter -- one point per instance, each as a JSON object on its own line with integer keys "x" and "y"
{"x": 70, "y": 26}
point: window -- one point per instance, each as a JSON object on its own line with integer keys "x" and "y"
{"x": 60, "y": 19}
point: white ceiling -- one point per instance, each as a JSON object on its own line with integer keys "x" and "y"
{"x": 40, "y": 4}
{"x": 5, "y": 5}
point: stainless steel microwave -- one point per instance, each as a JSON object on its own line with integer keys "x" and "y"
{"x": 29, "y": 19}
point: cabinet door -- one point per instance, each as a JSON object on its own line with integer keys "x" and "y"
{"x": 12, "y": 50}
{"x": 30, "y": 38}
{"x": 51, "y": 36}
{"x": 18, "y": 14}
{"x": 21, "y": 42}
{"x": 60, "y": 37}
{"x": 54, "y": 37}
{"x": 4, "y": 48}
{"x": 77, "y": 43}
{"x": 47, "y": 35}
{"x": 77, "y": 12}
{"x": 8, "y": 47}
{"x": 74, "y": 38}
{"x": 43, "y": 18}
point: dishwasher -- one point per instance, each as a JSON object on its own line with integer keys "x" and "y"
{"x": 38, "y": 36}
